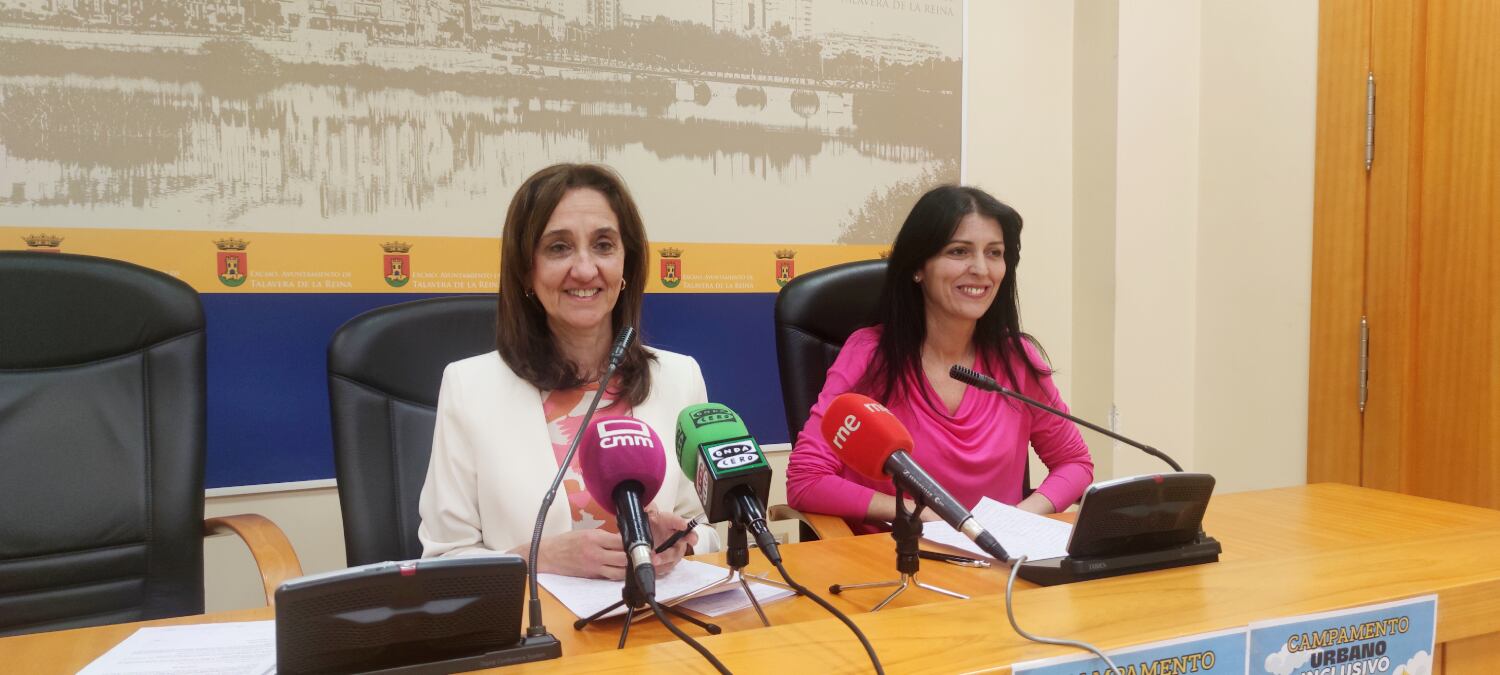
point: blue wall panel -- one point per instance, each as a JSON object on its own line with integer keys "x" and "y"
{"x": 268, "y": 372}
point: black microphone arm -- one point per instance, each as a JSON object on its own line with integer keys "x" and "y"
{"x": 534, "y": 627}
{"x": 982, "y": 381}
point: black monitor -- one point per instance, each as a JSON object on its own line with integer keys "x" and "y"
{"x": 422, "y": 616}
{"x": 1132, "y": 525}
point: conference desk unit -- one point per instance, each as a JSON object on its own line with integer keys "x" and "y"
{"x": 1287, "y": 551}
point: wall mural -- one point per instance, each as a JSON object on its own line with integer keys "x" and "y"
{"x": 362, "y": 145}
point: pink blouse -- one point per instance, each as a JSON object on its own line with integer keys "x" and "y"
{"x": 978, "y": 451}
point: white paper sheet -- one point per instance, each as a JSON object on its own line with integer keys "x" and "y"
{"x": 243, "y": 648}
{"x": 584, "y": 597}
{"x": 734, "y": 600}
{"x": 1020, "y": 532}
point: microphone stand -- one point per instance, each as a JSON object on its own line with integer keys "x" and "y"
{"x": 737, "y": 554}
{"x": 906, "y": 529}
{"x": 537, "y": 636}
{"x": 635, "y": 600}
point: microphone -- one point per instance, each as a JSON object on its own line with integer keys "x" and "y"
{"x": 535, "y": 628}
{"x": 976, "y": 379}
{"x": 728, "y": 469}
{"x": 874, "y": 443}
{"x": 623, "y": 465}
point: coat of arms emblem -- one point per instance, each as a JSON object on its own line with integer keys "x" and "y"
{"x": 671, "y": 267}
{"x": 234, "y": 262}
{"x": 785, "y": 266}
{"x": 397, "y": 269}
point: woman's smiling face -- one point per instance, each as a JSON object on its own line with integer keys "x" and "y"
{"x": 962, "y": 280}
{"x": 578, "y": 264}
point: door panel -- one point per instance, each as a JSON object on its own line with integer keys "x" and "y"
{"x": 1451, "y": 433}
{"x": 1339, "y": 196}
{"x": 1416, "y": 255}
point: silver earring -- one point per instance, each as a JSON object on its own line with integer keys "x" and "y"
{"x": 916, "y": 278}
{"x": 622, "y": 284}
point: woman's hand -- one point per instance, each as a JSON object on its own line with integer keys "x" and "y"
{"x": 882, "y": 509}
{"x": 591, "y": 554}
{"x": 663, "y": 526}
{"x": 1038, "y": 504}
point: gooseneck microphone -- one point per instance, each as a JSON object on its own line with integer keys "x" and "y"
{"x": 535, "y": 628}
{"x": 874, "y": 443}
{"x": 976, "y": 379}
{"x": 623, "y": 466}
{"x": 728, "y": 470}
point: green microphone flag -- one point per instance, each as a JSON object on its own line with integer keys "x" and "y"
{"x": 717, "y": 451}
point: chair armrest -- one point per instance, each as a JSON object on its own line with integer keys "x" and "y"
{"x": 822, "y": 525}
{"x": 274, "y": 555}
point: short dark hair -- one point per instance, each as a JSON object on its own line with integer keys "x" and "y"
{"x": 902, "y": 310}
{"x": 522, "y": 335}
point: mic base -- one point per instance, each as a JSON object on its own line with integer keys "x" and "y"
{"x": 906, "y": 581}
{"x": 528, "y": 650}
{"x": 630, "y": 614}
{"x": 1067, "y": 569}
{"x": 906, "y": 529}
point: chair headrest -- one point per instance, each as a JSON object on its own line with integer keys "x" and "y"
{"x": 402, "y": 349}
{"x": 832, "y": 302}
{"x": 63, "y": 309}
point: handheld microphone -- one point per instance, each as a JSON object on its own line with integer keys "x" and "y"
{"x": 623, "y": 466}
{"x": 535, "y": 628}
{"x": 976, "y": 379}
{"x": 729, "y": 471}
{"x": 874, "y": 443}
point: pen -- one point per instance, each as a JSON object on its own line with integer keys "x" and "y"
{"x": 677, "y": 536}
{"x": 953, "y": 559}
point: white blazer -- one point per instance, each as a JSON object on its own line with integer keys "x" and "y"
{"x": 492, "y": 460}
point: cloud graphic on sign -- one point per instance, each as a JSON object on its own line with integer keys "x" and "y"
{"x": 1420, "y": 664}
{"x": 1284, "y": 662}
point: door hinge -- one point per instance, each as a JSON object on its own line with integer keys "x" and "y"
{"x": 1364, "y": 362}
{"x": 1369, "y": 120}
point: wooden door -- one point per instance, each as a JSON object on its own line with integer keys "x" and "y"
{"x": 1411, "y": 246}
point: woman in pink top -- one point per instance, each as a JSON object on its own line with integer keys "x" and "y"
{"x": 949, "y": 298}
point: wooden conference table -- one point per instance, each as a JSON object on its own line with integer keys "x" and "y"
{"x": 1286, "y": 551}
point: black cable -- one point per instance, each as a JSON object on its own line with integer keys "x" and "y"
{"x": 874, "y": 660}
{"x": 662, "y": 617}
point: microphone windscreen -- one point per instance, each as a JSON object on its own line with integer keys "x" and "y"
{"x": 617, "y": 449}
{"x": 704, "y": 423}
{"x": 864, "y": 433}
{"x": 972, "y": 377}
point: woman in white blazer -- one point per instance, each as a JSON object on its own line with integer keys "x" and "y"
{"x": 573, "y": 267}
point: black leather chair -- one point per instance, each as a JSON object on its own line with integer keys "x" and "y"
{"x": 815, "y": 313}
{"x": 102, "y": 447}
{"x": 384, "y": 371}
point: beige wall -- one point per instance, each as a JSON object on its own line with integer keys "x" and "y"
{"x": 1161, "y": 154}
{"x": 1254, "y": 249}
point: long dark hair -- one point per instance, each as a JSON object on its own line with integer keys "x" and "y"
{"x": 521, "y": 332}
{"x": 902, "y": 311}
